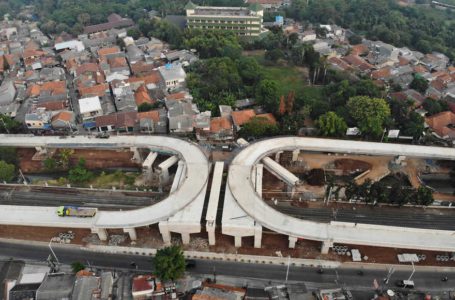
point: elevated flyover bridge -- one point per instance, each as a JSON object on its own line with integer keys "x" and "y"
{"x": 252, "y": 213}
{"x": 193, "y": 170}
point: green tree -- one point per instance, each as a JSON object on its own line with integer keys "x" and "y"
{"x": 258, "y": 127}
{"x": 434, "y": 106}
{"x": 9, "y": 125}
{"x": 134, "y": 33}
{"x": 274, "y": 55}
{"x": 355, "y": 39}
{"x": 8, "y": 154}
{"x": 267, "y": 95}
{"x": 7, "y": 171}
{"x": 79, "y": 174}
{"x": 64, "y": 157}
{"x": 423, "y": 196}
{"x": 169, "y": 263}
{"x": 77, "y": 266}
{"x": 330, "y": 124}
{"x": 50, "y": 164}
{"x": 370, "y": 114}
{"x": 419, "y": 84}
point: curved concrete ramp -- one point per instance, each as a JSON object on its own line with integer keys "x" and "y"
{"x": 242, "y": 167}
{"x": 196, "y": 176}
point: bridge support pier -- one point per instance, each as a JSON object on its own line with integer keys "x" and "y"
{"x": 292, "y": 242}
{"x": 165, "y": 233}
{"x": 295, "y": 155}
{"x": 101, "y": 232}
{"x": 185, "y": 238}
{"x": 131, "y": 232}
{"x": 136, "y": 155}
{"x": 325, "y": 247}
{"x": 277, "y": 156}
{"x": 237, "y": 241}
{"x": 210, "y": 227}
{"x": 257, "y": 236}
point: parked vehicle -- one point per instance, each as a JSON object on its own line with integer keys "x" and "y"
{"x": 74, "y": 211}
{"x": 405, "y": 284}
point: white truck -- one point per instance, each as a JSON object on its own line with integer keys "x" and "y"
{"x": 74, "y": 211}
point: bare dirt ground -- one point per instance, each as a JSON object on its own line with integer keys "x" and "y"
{"x": 273, "y": 244}
{"x": 95, "y": 159}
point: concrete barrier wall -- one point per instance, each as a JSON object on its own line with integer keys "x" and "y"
{"x": 219, "y": 256}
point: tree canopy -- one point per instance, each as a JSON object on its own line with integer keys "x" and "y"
{"x": 370, "y": 114}
{"x": 169, "y": 263}
{"x": 258, "y": 127}
{"x": 7, "y": 171}
{"x": 267, "y": 95}
{"x": 330, "y": 124}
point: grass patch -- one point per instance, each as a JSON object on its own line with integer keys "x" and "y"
{"x": 289, "y": 78}
{"x": 103, "y": 180}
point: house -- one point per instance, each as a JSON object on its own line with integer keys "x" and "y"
{"x": 219, "y": 291}
{"x": 308, "y": 36}
{"x": 85, "y": 287}
{"x": 64, "y": 120}
{"x": 201, "y": 123}
{"x": 7, "y": 92}
{"x": 152, "y": 81}
{"x": 118, "y": 65}
{"x": 90, "y": 108}
{"x": 56, "y": 287}
{"x": 221, "y": 129}
{"x": 225, "y": 110}
{"x": 124, "y": 96}
{"x": 99, "y": 90}
{"x": 134, "y": 54}
{"x": 173, "y": 75}
{"x": 38, "y": 119}
{"x": 180, "y": 115}
{"x": 113, "y": 21}
{"x": 8, "y": 95}
{"x": 435, "y": 61}
{"x": 141, "y": 96}
{"x": 381, "y": 54}
{"x": 72, "y": 45}
{"x": 241, "y": 117}
{"x": 184, "y": 57}
{"x": 121, "y": 122}
{"x": 443, "y": 124}
{"x": 154, "y": 121}
{"x": 143, "y": 287}
{"x": 24, "y": 291}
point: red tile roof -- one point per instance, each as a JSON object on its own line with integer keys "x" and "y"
{"x": 65, "y": 116}
{"x": 220, "y": 123}
{"x": 153, "y": 115}
{"x": 53, "y": 105}
{"x": 96, "y": 90}
{"x": 142, "y": 96}
{"x": 240, "y": 117}
{"x": 360, "y": 49}
{"x": 87, "y": 67}
{"x": 154, "y": 77}
{"x": 106, "y": 51}
{"x": 440, "y": 123}
{"x": 381, "y": 73}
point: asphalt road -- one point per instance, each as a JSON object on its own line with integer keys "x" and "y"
{"x": 379, "y": 216}
{"x": 56, "y": 197}
{"x": 348, "y": 277}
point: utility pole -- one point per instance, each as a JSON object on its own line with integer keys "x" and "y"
{"x": 413, "y": 270}
{"x": 53, "y": 253}
{"x": 287, "y": 270}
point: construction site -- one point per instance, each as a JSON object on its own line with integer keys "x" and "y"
{"x": 276, "y": 197}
